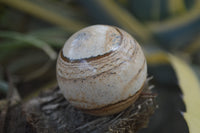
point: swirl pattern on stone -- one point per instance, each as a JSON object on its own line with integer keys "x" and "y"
{"x": 101, "y": 70}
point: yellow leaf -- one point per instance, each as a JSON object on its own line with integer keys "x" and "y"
{"x": 190, "y": 86}
{"x": 157, "y": 58}
{"x": 176, "y": 6}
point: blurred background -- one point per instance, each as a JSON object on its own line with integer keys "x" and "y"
{"x": 33, "y": 31}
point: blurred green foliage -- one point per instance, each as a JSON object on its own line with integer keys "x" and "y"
{"x": 33, "y": 31}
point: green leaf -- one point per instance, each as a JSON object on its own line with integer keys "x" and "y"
{"x": 178, "y": 32}
{"x": 42, "y": 10}
{"x": 55, "y": 37}
{"x": 3, "y": 86}
{"x": 31, "y": 40}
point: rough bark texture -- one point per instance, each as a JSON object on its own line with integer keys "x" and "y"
{"x": 51, "y": 113}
